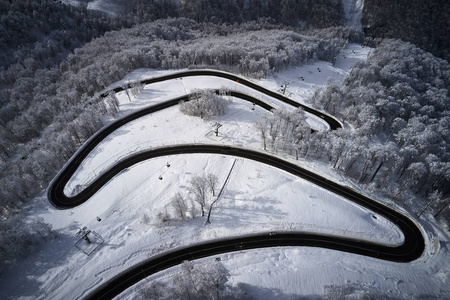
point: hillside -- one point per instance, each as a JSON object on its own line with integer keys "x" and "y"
{"x": 130, "y": 223}
{"x": 59, "y": 61}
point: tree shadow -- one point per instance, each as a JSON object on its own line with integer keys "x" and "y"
{"x": 25, "y": 274}
{"x": 241, "y": 112}
{"x": 250, "y": 210}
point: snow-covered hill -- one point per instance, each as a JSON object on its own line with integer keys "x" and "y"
{"x": 257, "y": 198}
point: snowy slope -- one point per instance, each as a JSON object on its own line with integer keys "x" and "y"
{"x": 257, "y": 198}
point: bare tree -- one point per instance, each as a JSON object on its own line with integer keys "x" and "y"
{"x": 136, "y": 88}
{"x": 192, "y": 210}
{"x": 212, "y": 181}
{"x": 262, "y": 125}
{"x": 126, "y": 88}
{"x": 145, "y": 219}
{"x": 274, "y": 129}
{"x": 163, "y": 218}
{"x": 199, "y": 186}
{"x": 180, "y": 205}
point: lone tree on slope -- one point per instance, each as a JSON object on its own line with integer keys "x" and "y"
{"x": 199, "y": 187}
{"x": 212, "y": 181}
{"x": 180, "y": 205}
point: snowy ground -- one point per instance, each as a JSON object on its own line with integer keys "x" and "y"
{"x": 257, "y": 198}
{"x": 106, "y": 6}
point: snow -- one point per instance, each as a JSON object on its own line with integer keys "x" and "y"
{"x": 257, "y": 198}
{"x": 105, "y": 6}
{"x": 353, "y": 12}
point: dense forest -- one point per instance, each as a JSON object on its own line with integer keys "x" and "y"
{"x": 397, "y": 103}
{"x": 423, "y": 23}
{"x": 43, "y": 32}
{"x": 56, "y": 59}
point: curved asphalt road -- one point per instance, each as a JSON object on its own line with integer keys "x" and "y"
{"x": 411, "y": 249}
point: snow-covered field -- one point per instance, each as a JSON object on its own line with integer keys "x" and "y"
{"x": 257, "y": 198}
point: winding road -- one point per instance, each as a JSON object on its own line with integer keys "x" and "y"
{"x": 411, "y": 248}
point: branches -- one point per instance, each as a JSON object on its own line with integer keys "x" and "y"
{"x": 284, "y": 128}
{"x": 180, "y": 205}
{"x": 198, "y": 188}
{"x": 212, "y": 181}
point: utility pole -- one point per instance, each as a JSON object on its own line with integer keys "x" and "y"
{"x": 217, "y": 125}
{"x": 208, "y": 221}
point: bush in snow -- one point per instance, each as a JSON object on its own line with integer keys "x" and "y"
{"x": 204, "y": 104}
{"x": 194, "y": 281}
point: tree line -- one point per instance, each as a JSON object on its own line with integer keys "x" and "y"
{"x": 38, "y": 34}
{"x": 304, "y": 13}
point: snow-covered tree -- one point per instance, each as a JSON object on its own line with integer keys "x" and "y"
{"x": 212, "y": 181}
{"x": 199, "y": 187}
{"x": 262, "y": 126}
{"x": 201, "y": 281}
{"x": 180, "y": 205}
{"x": 204, "y": 104}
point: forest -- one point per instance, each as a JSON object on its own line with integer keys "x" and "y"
{"x": 423, "y": 23}
{"x": 57, "y": 59}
